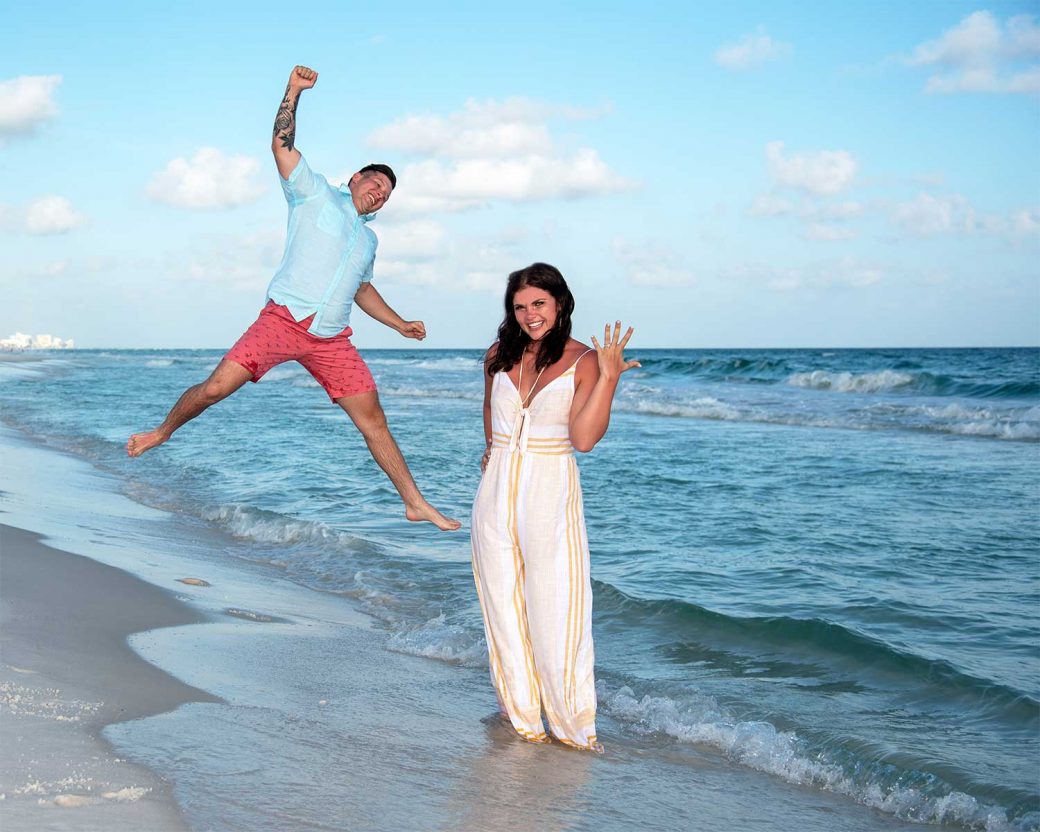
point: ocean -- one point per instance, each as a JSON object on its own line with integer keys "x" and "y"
{"x": 820, "y": 568}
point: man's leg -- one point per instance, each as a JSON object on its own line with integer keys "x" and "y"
{"x": 366, "y": 413}
{"x": 223, "y": 381}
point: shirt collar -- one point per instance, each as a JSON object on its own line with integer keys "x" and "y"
{"x": 345, "y": 190}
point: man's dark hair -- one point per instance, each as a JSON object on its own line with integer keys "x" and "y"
{"x": 383, "y": 169}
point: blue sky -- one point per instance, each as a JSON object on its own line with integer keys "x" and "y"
{"x": 746, "y": 174}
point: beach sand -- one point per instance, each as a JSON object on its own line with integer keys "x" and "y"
{"x": 66, "y": 671}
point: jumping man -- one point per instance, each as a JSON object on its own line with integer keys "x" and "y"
{"x": 326, "y": 268}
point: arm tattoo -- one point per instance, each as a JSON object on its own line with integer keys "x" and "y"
{"x": 285, "y": 121}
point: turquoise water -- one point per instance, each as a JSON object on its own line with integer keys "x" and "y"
{"x": 823, "y": 565}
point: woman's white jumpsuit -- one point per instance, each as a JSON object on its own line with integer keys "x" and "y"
{"x": 531, "y": 566}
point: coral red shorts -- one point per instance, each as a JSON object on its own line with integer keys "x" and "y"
{"x": 277, "y": 337}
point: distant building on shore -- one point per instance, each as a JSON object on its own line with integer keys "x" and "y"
{"x": 20, "y": 341}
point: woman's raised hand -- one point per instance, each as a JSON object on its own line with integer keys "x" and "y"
{"x": 611, "y": 354}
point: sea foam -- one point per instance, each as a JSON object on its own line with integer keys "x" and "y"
{"x": 272, "y": 527}
{"x": 436, "y": 639}
{"x": 759, "y": 745}
{"x": 876, "y": 382}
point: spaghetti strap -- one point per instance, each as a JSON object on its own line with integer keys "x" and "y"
{"x": 574, "y": 366}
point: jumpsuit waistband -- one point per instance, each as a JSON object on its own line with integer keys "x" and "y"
{"x": 524, "y": 444}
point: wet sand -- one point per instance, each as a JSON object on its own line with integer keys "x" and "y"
{"x": 66, "y": 672}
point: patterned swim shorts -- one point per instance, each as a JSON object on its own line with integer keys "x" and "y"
{"x": 277, "y": 337}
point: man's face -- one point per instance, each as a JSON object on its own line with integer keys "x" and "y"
{"x": 370, "y": 191}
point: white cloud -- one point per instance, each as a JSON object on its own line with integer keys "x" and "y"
{"x": 954, "y": 215}
{"x": 453, "y": 138}
{"x": 1026, "y": 82}
{"x": 828, "y": 232}
{"x": 45, "y": 215}
{"x": 985, "y": 79}
{"x": 1026, "y": 223}
{"x": 52, "y": 215}
{"x": 806, "y": 208}
{"x": 842, "y": 273}
{"x": 929, "y": 216}
{"x": 422, "y": 252}
{"x": 9, "y": 217}
{"x": 773, "y": 276}
{"x": 42, "y": 271}
{"x": 1023, "y": 36}
{"x": 841, "y": 210}
{"x": 244, "y": 262}
{"x": 826, "y": 172}
{"x": 490, "y": 151}
{"x": 410, "y": 204}
{"x": 414, "y": 274}
{"x": 979, "y": 55}
{"x": 829, "y": 221}
{"x": 481, "y": 130}
{"x": 209, "y": 180}
{"x": 520, "y": 179}
{"x": 850, "y": 271}
{"x": 412, "y": 242}
{"x": 973, "y": 41}
{"x": 56, "y": 268}
{"x": 434, "y": 186}
{"x": 484, "y": 262}
{"x": 26, "y": 102}
{"x": 785, "y": 280}
{"x": 651, "y": 264}
{"x": 751, "y": 51}
{"x": 770, "y": 205}
{"x": 822, "y": 219}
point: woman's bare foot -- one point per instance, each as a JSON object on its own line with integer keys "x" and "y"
{"x": 141, "y": 442}
{"x": 425, "y": 512}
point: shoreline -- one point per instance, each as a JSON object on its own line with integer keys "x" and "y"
{"x": 67, "y": 673}
{"x": 321, "y": 719}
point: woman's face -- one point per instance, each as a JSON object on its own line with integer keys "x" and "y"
{"x": 535, "y": 310}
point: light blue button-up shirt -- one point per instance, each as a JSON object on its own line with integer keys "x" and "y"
{"x": 329, "y": 252}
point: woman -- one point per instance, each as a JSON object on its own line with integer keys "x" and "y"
{"x": 543, "y": 399}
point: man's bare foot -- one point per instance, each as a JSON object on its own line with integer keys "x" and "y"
{"x": 425, "y": 512}
{"x": 141, "y": 442}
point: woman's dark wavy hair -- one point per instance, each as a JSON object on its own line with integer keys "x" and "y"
{"x": 512, "y": 340}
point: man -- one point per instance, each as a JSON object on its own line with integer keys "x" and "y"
{"x": 326, "y": 268}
